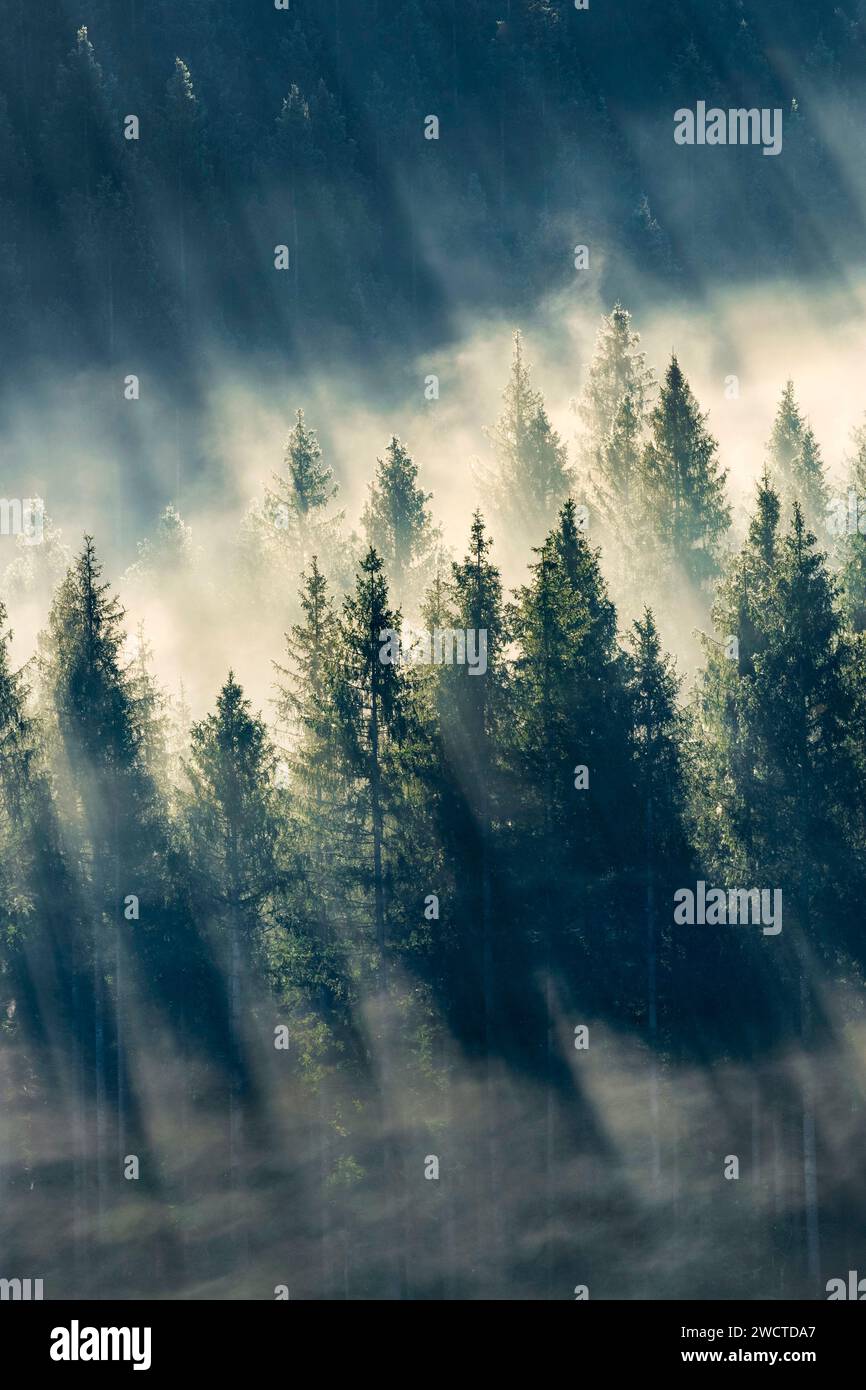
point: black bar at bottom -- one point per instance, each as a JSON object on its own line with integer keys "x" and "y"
{"x": 166, "y": 1339}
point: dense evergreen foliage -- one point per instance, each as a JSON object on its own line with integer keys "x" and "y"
{"x": 469, "y": 963}
{"x": 304, "y": 126}
{"x": 349, "y": 935}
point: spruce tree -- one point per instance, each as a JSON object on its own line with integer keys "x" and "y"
{"x": 234, "y": 833}
{"x": 473, "y": 720}
{"x": 308, "y": 484}
{"x": 36, "y": 569}
{"x": 178, "y": 724}
{"x": 113, "y": 827}
{"x": 185, "y": 160}
{"x": 315, "y": 958}
{"x": 233, "y": 816}
{"x": 468, "y": 715}
{"x": 613, "y": 403}
{"x": 298, "y": 508}
{"x": 40, "y": 932}
{"x": 92, "y": 707}
{"x": 81, "y": 130}
{"x": 46, "y": 959}
{"x": 397, "y": 522}
{"x": 150, "y": 711}
{"x": 807, "y": 706}
{"x": 662, "y": 853}
{"x": 292, "y": 522}
{"x": 658, "y": 735}
{"x": 619, "y": 462}
{"x": 174, "y": 544}
{"x": 305, "y": 708}
{"x": 684, "y": 483}
{"x": 104, "y": 731}
{"x": 293, "y": 139}
{"x": 786, "y": 439}
{"x": 795, "y": 465}
{"x": 776, "y": 759}
{"x": 169, "y": 556}
{"x": 581, "y": 569}
{"x": 728, "y": 762}
{"x": 571, "y": 728}
{"x": 616, "y": 490}
{"x": 850, "y": 528}
{"x": 782, "y": 778}
{"x": 531, "y": 476}
{"x": 367, "y": 706}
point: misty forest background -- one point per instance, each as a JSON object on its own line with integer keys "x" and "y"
{"x": 284, "y": 952}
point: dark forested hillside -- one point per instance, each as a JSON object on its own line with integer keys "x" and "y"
{"x": 430, "y": 889}
{"x": 308, "y": 126}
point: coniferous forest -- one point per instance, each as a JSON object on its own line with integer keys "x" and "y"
{"x": 432, "y": 704}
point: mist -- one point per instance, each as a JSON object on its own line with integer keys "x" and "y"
{"x": 111, "y": 473}
{"x": 328, "y": 978}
